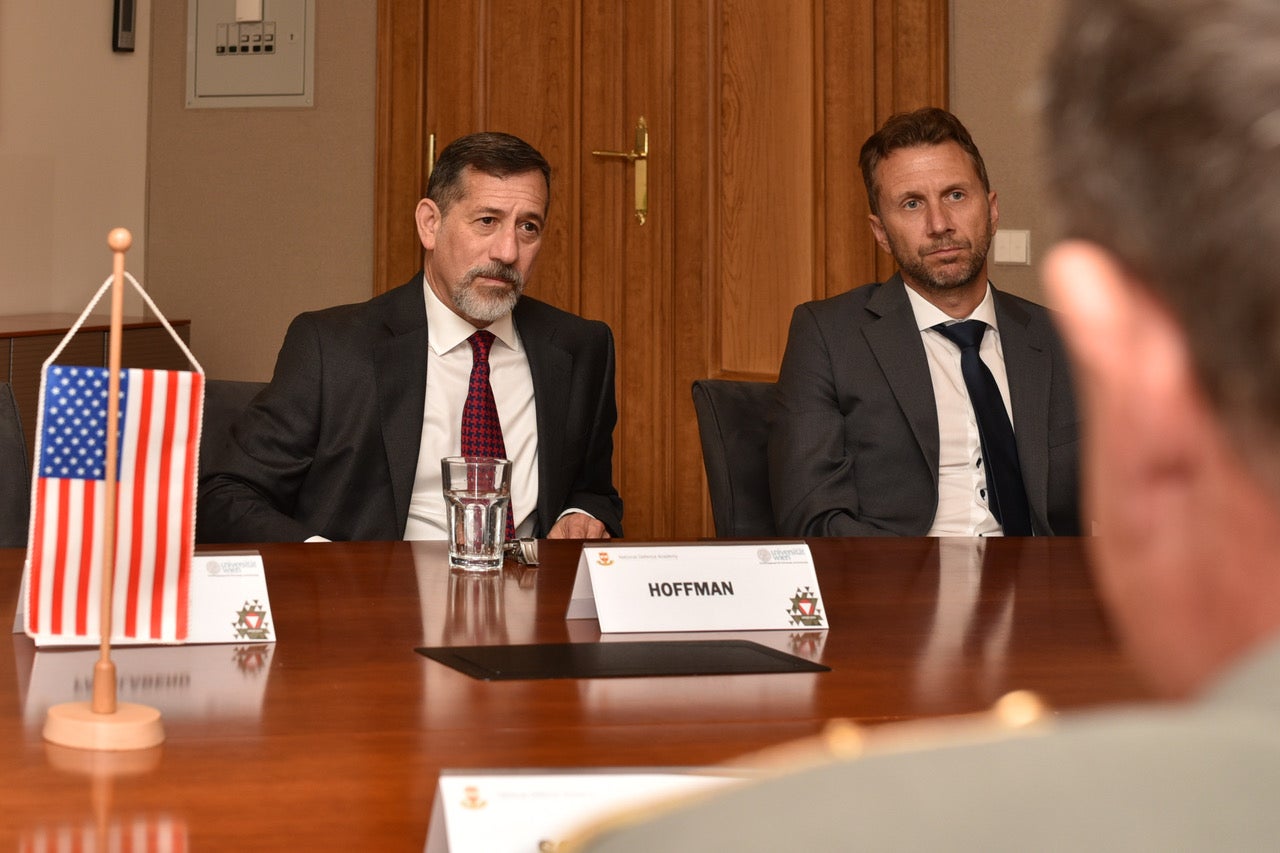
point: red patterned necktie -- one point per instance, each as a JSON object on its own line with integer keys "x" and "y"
{"x": 481, "y": 431}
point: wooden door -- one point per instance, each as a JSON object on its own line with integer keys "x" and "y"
{"x": 755, "y": 112}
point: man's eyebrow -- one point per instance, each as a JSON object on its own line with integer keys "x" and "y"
{"x": 962, "y": 186}
{"x": 499, "y": 212}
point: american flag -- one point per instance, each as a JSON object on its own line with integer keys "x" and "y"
{"x": 159, "y": 434}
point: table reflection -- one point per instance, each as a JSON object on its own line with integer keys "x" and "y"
{"x": 967, "y": 643}
{"x": 213, "y": 682}
{"x": 473, "y": 608}
{"x": 105, "y": 828}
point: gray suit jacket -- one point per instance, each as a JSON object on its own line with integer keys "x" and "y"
{"x": 1158, "y": 779}
{"x": 330, "y": 447}
{"x": 854, "y": 446}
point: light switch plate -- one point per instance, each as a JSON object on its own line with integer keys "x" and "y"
{"x": 1012, "y": 247}
{"x": 266, "y": 63}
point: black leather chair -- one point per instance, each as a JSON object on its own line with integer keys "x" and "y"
{"x": 733, "y": 423}
{"x": 224, "y": 400}
{"x": 15, "y": 474}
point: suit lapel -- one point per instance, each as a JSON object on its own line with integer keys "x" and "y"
{"x": 1027, "y": 366}
{"x": 400, "y": 368}
{"x": 895, "y": 342}
{"x": 551, "y": 369}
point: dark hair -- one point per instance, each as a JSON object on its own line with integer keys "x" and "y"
{"x": 1163, "y": 140}
{"x": 496, "y": 154}
{"x": 928, "y": 126}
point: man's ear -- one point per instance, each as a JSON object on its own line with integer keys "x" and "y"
{"x": 1118, "y": 333}
{"x": 428, "y": 219}
{"x": 1148, "y": 427}
{"x": 1090, "y": 293}
{"x": 877, "y": 231}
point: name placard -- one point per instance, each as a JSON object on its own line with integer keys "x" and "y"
{"x": 517, "y": 811}
{"x": 698, "y": 587}
{"x": 228, "y": 604}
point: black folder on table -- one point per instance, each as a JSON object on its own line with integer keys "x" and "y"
{"x": 619, "y": 660}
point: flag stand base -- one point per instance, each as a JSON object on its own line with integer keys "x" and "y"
{"x": 77, "y": 725}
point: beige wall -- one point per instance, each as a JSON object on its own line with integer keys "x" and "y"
{"x": 73, "y": 141}
{"x": 256, "y": 214}
{"x": 252, "y": 215}
{"x": 996, "y": 50}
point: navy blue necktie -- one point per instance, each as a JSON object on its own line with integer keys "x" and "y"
{"x": 1008, "y": 497}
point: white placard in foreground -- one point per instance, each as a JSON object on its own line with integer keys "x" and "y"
{"x": 698, "y": 587}
{"x": 227, "y": 604}
{"x": 510, "y": 812}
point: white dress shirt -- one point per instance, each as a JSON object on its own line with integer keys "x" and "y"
{"x": 963, "y": 509}
{"x": 448, "y": 377}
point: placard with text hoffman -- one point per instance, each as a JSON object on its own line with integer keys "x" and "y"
{"x": 759, "y": 586}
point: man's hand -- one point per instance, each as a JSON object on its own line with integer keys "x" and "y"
{"x": 577, "y": 525}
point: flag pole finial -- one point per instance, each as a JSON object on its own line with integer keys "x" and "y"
{"x": 119, "y": 240}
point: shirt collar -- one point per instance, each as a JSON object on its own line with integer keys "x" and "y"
{"x": 929, "y": 315}
{"x": 446, "y": 330}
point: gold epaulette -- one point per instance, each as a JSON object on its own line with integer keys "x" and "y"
{"x": 1019, "y": 713}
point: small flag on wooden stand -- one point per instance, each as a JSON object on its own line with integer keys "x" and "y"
{"x": 112, "y": 519}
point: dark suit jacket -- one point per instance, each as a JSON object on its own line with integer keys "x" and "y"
{"x": 854, "y": 447}
{"x": 330, "y": 447}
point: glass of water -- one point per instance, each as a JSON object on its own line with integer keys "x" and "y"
{"x": 477, "y": 491}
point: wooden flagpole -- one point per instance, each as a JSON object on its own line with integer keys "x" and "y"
{"x": 104, "y": 672}
{"x": 104, "y": 723}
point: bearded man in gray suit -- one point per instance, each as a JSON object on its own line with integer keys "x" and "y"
{"x": 875, "y": 432}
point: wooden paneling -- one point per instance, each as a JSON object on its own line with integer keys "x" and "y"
{"x": 695, "y": 262}
{"x": 768, "y": 195}
{"x": 848, "y": 116}
{"x": 400, "y": 144}
{"x": 756, "y": 111}
{"x": 625, "y": 266}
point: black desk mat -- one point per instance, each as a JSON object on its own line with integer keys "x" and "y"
{"x": 618, "y": 660}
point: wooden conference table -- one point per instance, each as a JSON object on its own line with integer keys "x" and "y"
{"x": 333, "y": 737}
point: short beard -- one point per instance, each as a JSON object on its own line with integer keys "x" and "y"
{"x": 479, "y": 303}
{"x": 950, "y": 277}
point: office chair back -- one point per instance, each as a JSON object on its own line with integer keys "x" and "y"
{"x": 224, "y": 400}
{"x": 733, "y": 424}
{"x": 15, "y": 474}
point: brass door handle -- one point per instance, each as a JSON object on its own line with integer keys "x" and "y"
{"x": 639, "y": 157}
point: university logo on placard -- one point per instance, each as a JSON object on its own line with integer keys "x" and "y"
{"x": 603, "y": 559}
{"x": 804, "y": 608}
{"x": 251, "y": 621}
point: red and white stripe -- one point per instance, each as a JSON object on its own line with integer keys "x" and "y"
{"x": 155, "y": 515}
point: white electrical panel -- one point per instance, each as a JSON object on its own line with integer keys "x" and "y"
{"x": 232, "y": 62}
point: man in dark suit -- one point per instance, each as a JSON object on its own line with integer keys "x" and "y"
{"x": 1164, "y": 151}
{"x": 345, "y": 442}
{"x": 876, "y": 433}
